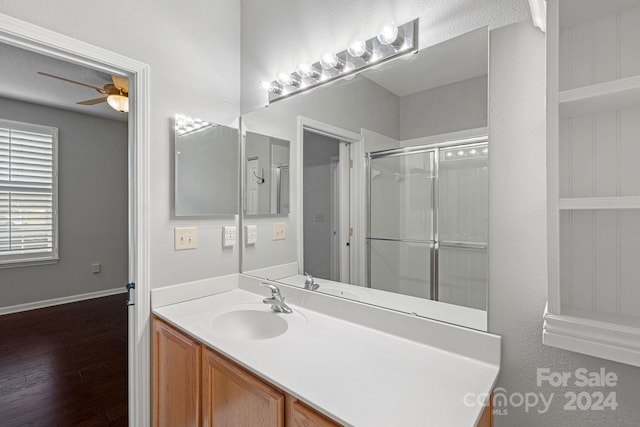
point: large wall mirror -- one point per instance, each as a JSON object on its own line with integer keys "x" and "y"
{"x": 206, "y": 168}
{"x": 389, "y": 185}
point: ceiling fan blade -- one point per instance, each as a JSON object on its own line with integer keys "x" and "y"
{"x": 93, "y": 101}
{"x": 121, "y": 83}
{"x": 99, "y": 89}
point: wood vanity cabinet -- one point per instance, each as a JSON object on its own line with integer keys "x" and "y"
{"x": 195, "y": 386}
{"x": 300, "y": 415}
{"x": 232, "y": 397}
{"x": 176, "y": 377}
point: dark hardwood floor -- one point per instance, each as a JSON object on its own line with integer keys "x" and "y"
{"x": 65, "y": 365}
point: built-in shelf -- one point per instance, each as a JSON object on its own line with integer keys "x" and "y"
{"x": 607, "y": 96}
{"x": 592, "y": 203}
{"x": 605, "y": 339}
{"x": 593, "y": 242}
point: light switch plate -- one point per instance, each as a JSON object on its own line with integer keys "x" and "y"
{"x": 252, "y": 234}
{"x": 279, "y": 231}
{"x": 96, "y": 267}
{"x": 229, "y": 236}
{"x": 185, "y": 238}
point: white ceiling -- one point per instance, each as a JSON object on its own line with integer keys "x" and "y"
{"x": 455, "y": 60}
{"x": 19, "y": 80}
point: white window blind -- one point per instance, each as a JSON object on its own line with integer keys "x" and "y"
{"x": 28, "y": 187}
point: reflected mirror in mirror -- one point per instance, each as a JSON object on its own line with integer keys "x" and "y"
{"x": 390, "y": 188}
{"x": 206, "y": 168}
{"x": 266, "y": 189}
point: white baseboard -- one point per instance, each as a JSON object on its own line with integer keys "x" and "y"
{"x": 62, "y": 300}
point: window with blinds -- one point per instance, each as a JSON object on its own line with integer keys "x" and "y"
{"x": 28, "y": 187}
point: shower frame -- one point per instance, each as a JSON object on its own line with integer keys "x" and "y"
{"x": 435, "y": 243}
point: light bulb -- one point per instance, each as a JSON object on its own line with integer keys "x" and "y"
{"x": 330, "y": 61}
{"x": 304, "y": 69}
{"x": 460, "y": 153}
{"x": 449, "y": 154}
{"x": 283, "y": 78}
{"x": 358, "y": 48}
{"x": 273, "y": 87}
{"x": 485, "y": 150}
{"x": 388, "y": 33}
{"x": 473, "y": 151}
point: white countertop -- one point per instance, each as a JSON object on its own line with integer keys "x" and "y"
{"x": 357, "y": 375}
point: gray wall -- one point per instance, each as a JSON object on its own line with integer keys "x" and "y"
{"x": 457, "y": 106}
{"x": 194, "y": 54}
{"x": 92, "y": 206}
{"x": 318, "y": 150}
{"x": 517, "y": 227}
{"x": 343, "y": 104}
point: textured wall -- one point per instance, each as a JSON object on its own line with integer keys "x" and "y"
{"x": 92, "y": 206}
{"x": 457, "y": 106}
{"x": 518, "y": 272}
{"x": 194, "y": 53}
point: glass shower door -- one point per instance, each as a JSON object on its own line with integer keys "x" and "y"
{"x": 401, "y": 235}
{"x": 463, "y": 225}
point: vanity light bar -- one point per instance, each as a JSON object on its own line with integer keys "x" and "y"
{"x": 391, "y": 42}
{"x": 185, "y": 125}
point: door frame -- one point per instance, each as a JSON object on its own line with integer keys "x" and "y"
{"x": 357, "y": 198}
{"x": 31, "y": 37}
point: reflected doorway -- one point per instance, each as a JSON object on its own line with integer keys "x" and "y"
{"x": 326, "y": 206}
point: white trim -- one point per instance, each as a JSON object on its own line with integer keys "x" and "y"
{"x": 592, "y": 203}
{"x": 59, "y": 301}
{"x": 46, "y": 42}
{"x": 357, "y": 202}
{"x": 600, "y": 339}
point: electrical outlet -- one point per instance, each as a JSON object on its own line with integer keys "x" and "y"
{"x": 279, "y": 231}
{"x": 252, "y": 234}
{"x": 228, "y": 236}
{"x": 185, "y": 238}
{"x": 95, "y": 268}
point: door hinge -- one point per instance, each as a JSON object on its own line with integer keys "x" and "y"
{"x": 350, "y": 231}
{"x": 350, "y": 163}
{"x": 129, "y": 286}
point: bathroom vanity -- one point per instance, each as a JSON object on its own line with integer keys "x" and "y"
{"x": 222, "y": 357}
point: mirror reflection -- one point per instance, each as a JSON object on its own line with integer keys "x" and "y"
{"x": 267, "y": 182}
{"x": 206, "y": 168}
{"x": 389, "y": 193}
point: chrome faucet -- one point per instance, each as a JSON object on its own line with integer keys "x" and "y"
{"x": 309, "y": 283}
{"x": 277, "y": 300}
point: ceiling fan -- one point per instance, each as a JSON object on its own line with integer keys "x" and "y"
{"x": 116, "y": 93}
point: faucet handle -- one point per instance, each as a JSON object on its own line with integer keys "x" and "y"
{"x": 309, "y": 279}
{"x": 273, "y": 288}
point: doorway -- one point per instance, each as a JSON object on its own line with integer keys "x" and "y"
{"x": 49, "y": 43}
{"x": 326, "y": 213}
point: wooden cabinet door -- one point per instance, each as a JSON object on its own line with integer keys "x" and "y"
{"x": 232, "y": 397}
{"x": 300, "y": 415}
{"x": 176, "y": 377}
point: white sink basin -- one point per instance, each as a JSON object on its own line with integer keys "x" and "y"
{"x": 250, "y": 322}
{"x": 249, "y": 325}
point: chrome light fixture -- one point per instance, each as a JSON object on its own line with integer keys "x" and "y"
{"x": 391, "y": 42}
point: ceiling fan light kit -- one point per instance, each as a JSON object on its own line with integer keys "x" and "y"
{"x": 119, "y": 103}
{"x": 116, "y": 93}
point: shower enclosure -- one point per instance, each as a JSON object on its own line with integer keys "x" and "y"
{"x": 428, "y": 222}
